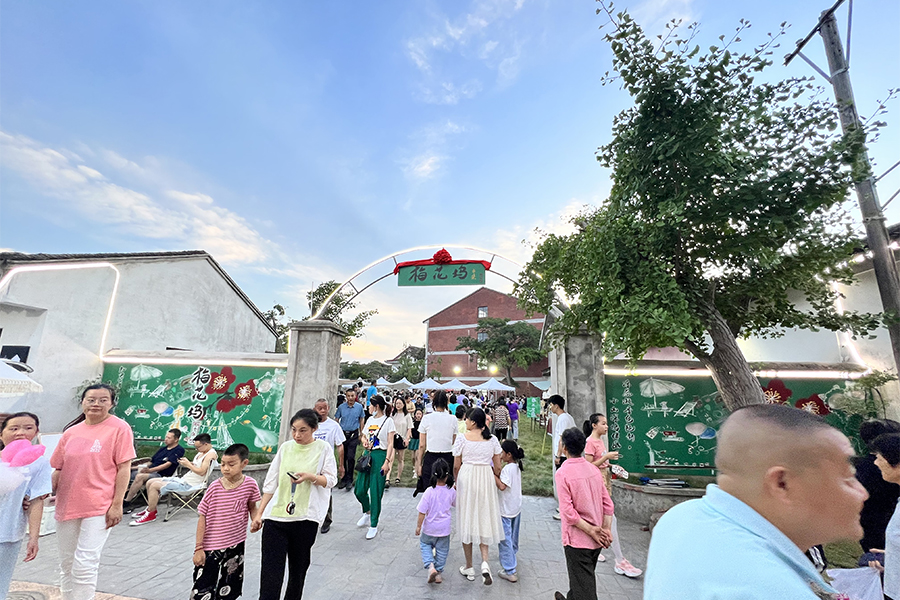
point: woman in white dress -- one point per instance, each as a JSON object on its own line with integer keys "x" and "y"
{"x": 476, "y": 462}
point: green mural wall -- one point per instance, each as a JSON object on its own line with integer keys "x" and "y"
{"x": 669, "y": 425}
{"x": 231, "y": 404}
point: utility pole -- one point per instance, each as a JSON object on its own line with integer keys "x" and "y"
{"x": 872, "y": 215}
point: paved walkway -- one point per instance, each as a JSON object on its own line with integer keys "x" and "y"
{"x": 153, "y": 562}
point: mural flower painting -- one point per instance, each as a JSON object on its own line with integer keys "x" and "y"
{"x": 243, "y": 395}
{"x": 776, "y": 392}
{"x": 813, "y": 404}
{"x": 220, "y": 382}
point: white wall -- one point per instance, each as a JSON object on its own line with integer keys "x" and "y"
{"x": 60, "y": 314}
{"x": 183, "y": 303}
{"x": 64, "y": 347}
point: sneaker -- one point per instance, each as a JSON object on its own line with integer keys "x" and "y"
{"x": 486, "y": 573}
{"x": 147, "y": 518}
{"x": 468, "y": 573}
{"x": 326, "y": 527}
{"x": 558, "y": 596}
{"x": 363, "y": 520}
{"x": 623, "y": 567}
{"x": 557, "y": 516}
{"x": 510, "y": 577}
{"x": 601, "y": 558}
{"x": 139, "y": 514}
{"x": 371, "y": 533}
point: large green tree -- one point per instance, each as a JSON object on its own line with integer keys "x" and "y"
{"x": 725, "y": 215}
{"x": 339, "y": 305}
{"x": 505, "y": 344}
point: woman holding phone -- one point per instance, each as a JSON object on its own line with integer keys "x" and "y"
{"x": 295, "y": 501}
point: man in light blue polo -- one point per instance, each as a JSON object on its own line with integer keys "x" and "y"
{"x": 785, "y": 484}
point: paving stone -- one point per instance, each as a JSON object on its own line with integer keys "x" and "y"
{"x": 153, "y": 562}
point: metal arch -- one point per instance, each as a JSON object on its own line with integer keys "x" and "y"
{"x": 328, "y": 301}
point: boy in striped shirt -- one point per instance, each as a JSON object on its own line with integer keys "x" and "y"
{"x": 227, "y": 507}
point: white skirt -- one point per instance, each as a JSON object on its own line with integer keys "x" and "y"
{"x": 478, "y": 506}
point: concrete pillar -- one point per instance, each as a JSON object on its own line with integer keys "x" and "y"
{"x": 314, "y": 366}
{"x": 576, "y": 369}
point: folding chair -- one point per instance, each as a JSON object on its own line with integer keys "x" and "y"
{"x": 189, "y": 499}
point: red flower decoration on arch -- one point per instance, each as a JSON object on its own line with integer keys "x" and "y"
{"x": 813, "y": 404}
{"x": 776, "y": 392}
{"x": 220, "y": 382}
{"x": 442, "y": 257}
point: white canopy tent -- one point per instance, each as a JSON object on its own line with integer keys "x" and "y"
{"x": 382, "y": 382}
{"x": 492, "y": 385}
{"x": 542, "y": 385}
{"x": 428, "y": 384}
{"x": 455, "y": 384}
{"x": 15, "y": 383}
{"x": 403, "y": 384}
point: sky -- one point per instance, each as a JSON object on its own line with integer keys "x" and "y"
{"x": 299, "y": 142}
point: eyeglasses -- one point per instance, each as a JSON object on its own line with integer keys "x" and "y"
{"x": 96, "y": 400}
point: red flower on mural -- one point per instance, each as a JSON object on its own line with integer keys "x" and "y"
{"x": 813, "y": 404}
{"x": 220, "y": 382}
{"x": 442, "y": 257}
{"x": 776, "y": 392}
{"x": 243, "y": 395}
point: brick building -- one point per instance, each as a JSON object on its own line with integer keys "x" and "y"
{"x": 461, "y": 319}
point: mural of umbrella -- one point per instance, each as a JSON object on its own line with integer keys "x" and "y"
{"x": 142, "y": 372}
{"x": 653, "y": 388}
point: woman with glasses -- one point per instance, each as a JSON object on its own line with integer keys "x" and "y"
{"x": 93, "y": 465}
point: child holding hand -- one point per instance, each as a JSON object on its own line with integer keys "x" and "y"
{"x": 433, "y": 527}
{"x": 227, "y": 507}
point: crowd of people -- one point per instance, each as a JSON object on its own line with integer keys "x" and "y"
{"x": 786, "y": 484}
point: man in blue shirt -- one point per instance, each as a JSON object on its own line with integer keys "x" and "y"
{"x": 163, "y": 464}
{"x": 785, "y": 484}
{"x": 351, "y": 417}
{"x": 371, "y": 392}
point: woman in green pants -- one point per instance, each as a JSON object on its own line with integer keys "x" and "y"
{"x": 378, "y": 440}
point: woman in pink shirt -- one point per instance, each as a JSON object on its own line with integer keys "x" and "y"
{"x": 586, "y": 512}
{"x": 92, "y": 462}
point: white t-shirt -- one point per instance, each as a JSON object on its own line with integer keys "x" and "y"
{"x": 330, "y": 431}
{"x": 385, "y": 437}
{"x": 402, "y": 423}
{"x": 440, "y": 427}
{"x": 563, "y": 421}
{"x": 511, "y": 497}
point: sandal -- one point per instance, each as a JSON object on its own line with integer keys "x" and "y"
{"x": 397, "y": 481}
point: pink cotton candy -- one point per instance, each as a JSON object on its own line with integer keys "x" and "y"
{"x": 21, "y": 452}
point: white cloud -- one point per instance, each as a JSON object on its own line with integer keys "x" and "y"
{"x": 652, "y": 15}
{"x": 480, "y": 40}
{"x": 182, "y": 218}
{"x": 428, "y": 152}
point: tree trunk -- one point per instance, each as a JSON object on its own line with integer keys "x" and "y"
{"x": 509, "y": 379}
{"x": 730, "y": 370}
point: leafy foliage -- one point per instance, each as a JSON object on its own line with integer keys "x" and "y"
{"x": 367, "y": 371}
{"x": 315, "y": 298}
{"x": 505, "y": 345}
{"x": 276, "y": 317}
{"x": 410, "y": 367}
{"x": 725, "y": 217}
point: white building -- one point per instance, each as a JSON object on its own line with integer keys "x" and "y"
{"x": 62, "y": 313}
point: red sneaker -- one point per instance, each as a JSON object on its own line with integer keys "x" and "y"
{"x": 149, "y": 517}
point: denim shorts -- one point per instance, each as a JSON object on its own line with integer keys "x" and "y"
{"x": 174, "y": 484}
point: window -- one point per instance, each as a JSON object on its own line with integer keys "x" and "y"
{"x": 482, "y": 336}
{"x": 482, "y": 312}
{"x": 16, "y": 353}
{"x": 481, "y": 364}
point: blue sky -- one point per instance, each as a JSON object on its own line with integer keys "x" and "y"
{"x": 298, "y": 142}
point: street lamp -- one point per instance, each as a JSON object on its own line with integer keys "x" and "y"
{"x": 493, "y": 369}
{"x": 457, "y": 370}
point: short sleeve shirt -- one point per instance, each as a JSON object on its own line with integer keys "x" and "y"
{"x": 511, "y": 497}
{"x": 349, "y": 416}
{"x": 330, "y": 432}
{"x": 87, "y": 457}
{"x": 386, "y": 425}
{"x": 171, "y": 456}
{"x": 36, "y": 483}
{"x": 563, "y": 421}
{"x": 227, "y": 513}
{"x": 439, "y": 429}
{"x": 595, "y": 448}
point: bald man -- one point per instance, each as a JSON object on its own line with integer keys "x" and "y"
{"x": 785, "y": 484}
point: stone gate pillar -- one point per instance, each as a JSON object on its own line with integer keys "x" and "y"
{"x": 576, "y": 374}
{"x": 314, "y": 365}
